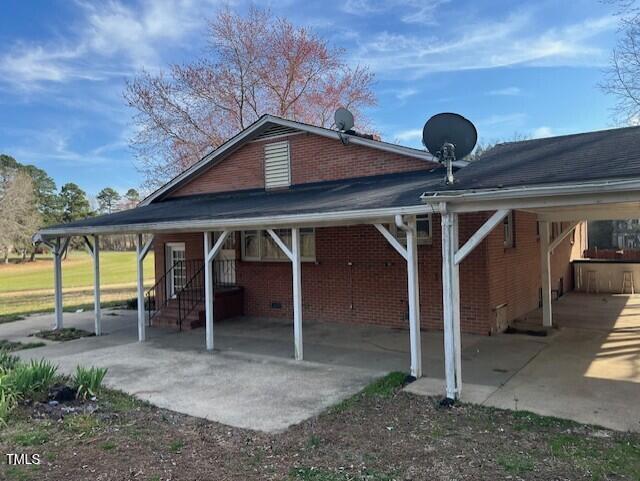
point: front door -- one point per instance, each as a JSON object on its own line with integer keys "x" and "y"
{"x": 176, "y": 265}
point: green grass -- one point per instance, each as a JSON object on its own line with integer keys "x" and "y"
{"x": 528, "y": 421}
{"x": 36, "y": 437}
{"x": 176, "y": 446}
{"x": 77, "y": 271}
{"x": 622, "y": 457}
{"x": 383, "y": 388}
{"x": 516, "y": 464}
{"x": 108, "y": 446}
{"x": 27, "y": 288}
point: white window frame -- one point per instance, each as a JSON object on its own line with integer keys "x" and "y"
{"x": 260, "y": 258}
{"x": 508, "y": 231}
{"x": 402, "y": 236}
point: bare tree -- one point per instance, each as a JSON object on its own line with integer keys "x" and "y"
{"x": 254, "y": 65}
{"x": 19, "y": 218}
{"x": 622, "y": 76}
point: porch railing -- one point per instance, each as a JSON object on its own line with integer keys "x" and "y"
{"x": 191, "y": 294}
{"x": 162, "y": 292}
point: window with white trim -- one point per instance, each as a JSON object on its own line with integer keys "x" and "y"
{"x": 277, "y": 165}
{"x": 507, "y": 223}
{"x": 258, "y": 245}
{"x": 424, "y": 231}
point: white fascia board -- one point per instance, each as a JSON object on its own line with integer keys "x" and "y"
{"x": 586, "y": 193}
{"x": 239, "y": 138}
{"x": 367, "y": 216}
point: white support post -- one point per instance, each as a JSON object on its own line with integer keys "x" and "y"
{"x": 296, "y": 267}
{"x": 451, "y": 306}
{"x": 545, "y": 273}
{"x": 94, "y": 251}
{"x": 142, "y": 249}
{"x": 210, "y": 252}
{"x": 410, "y": 254}
{"x": 58, "y": 252}
{"x": 413, "y": 288}
{"x": 297, "y": 293}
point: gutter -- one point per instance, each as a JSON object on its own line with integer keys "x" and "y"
{"x": 314, "y": 219}
{"x": 525, "y": 192}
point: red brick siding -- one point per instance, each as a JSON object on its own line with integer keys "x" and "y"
{"x": 313, "y": 159}
{"x": 514, "y": 273}
{"x": 358, "y": 277}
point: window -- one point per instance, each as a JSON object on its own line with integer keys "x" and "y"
{"x": 423, "y": 225}
{"x": 507, "y": 224}
{"x": 556, "y": 228}
{"x": 258, "y": 245}
{"x": 277, "y": 165}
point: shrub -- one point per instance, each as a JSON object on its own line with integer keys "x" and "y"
{"x": 87, "y": 381}
{"x": 33, "y": 378}
{"x": 8, "y": 402}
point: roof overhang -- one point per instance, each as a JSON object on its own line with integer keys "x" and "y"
{"x": 320, "y": 219}
{"x": 552, "y": 201}
{"x": 254, "y": 129}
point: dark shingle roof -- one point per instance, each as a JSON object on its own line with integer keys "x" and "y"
{"x": 392, "y": 190}
{"x": 603, "y": 155}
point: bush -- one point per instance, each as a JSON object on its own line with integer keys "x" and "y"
{"x": 87, "y": 381}
{"x": 33, "y": 378}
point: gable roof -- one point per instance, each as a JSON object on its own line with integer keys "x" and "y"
{"x": 267, "y": 124}
{"x": 603, "y": 155}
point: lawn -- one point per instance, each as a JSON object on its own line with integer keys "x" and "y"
{"x": 382, "y": 434}
{"x": 28, "y": 287}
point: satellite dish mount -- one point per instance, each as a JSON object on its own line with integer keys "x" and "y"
{"x": 449, "y": 137}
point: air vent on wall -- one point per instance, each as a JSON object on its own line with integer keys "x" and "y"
{"x": 277, "y": 165}
{"x": 276, "y": 131}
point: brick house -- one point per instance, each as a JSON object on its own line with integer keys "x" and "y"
{"x": 294, "y": 221}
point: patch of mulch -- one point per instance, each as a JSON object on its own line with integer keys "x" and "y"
{"x": 64, "y": 334}
{"x": 400, "y": 437}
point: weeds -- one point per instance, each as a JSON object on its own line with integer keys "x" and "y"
{"x": 88, "y": 381}
{"x": 384, "y": 387}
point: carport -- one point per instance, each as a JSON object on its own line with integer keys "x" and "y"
{"x": 570, "y": 179}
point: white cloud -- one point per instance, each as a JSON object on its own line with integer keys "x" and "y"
{"x": 506, "y": 92}
{"x": 112, "y": 39}
{"x": 501, "y": 119}
{"x": 413, "y": 11}
{"x": 517, "y": 39}
{"x": 541, "y": 132}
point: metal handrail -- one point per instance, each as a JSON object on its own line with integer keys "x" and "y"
{"x": 158, "y": 296}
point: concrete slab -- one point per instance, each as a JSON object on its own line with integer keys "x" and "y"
{"x": 588, "y": 370}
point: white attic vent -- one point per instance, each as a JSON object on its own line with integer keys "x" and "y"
{"x": 276, "y": 131}
{"x": 277, "y": 165}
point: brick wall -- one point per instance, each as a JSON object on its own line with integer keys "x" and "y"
{"x": 313, "y": 159}
{"x": 358, "y": 277}
{"x": 624, "y": 254}
{"x": 514, "y": 273}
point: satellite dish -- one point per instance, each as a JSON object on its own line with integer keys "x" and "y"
{"x": 343, "y": 119}
{"x": 448, "y": 128}
{"x": 449, "y": 137}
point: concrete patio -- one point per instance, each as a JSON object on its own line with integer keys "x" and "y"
{"x": 588, "y": 370}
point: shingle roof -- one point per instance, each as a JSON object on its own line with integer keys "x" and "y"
{"x": 602, "y": 155}
{"x": 383, "y": 191}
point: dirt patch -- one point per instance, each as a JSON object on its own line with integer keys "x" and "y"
{"x": 382, "y": 435}
{"x": 11, "y": 346}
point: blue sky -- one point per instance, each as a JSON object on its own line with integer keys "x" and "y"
{"x": 527, "y": 68}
